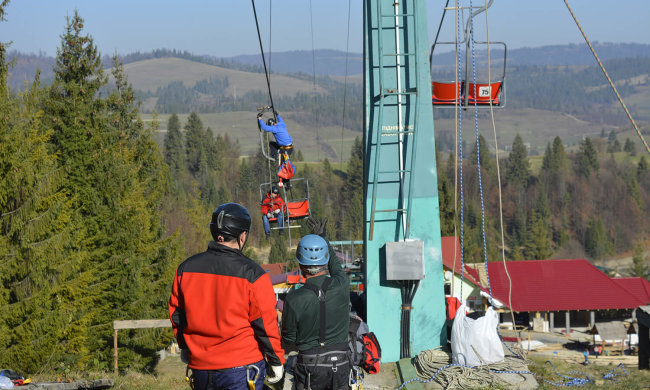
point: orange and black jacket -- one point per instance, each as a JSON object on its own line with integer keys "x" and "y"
{"x": 269, "y": 204}
{"x": 222, "y": 307}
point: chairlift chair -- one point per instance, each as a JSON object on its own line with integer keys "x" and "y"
{"x": 464, "y": 91}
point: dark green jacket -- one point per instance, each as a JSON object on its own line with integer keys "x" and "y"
{"x": 301, "y": 313}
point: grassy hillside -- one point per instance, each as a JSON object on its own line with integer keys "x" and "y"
{"x": 536, "y": 127}
{"x": 242, "y": 126}
{"x": 150, "y": 74}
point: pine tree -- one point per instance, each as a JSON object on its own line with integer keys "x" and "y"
{"x": 35, "y": 229}
{"x": 353, "y": 190}
{"x": 194, "y": 142}
{"x": 587, "y": 159}
{"x": 173, "y": 144}
{"x": 518, "y": 168}
{"x": 642, "y": 167}
{"x": 538, "y": 239}
{"x": 640, "y": 264}
{"x": 629, "y": 147}
{"x": 559, "y": 160}
{"x": 445, "y": 200}
{"x": 485, "y": 161}
{"x": 597, "y": 244}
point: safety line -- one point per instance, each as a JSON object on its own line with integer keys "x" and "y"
{"x": 611, "y": 83}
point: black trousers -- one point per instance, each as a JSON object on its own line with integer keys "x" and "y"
{"x": 324, "y": 371}
{"x": 274, "y": 147}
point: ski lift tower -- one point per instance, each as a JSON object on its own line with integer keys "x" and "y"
{"x": 402, "y": 223}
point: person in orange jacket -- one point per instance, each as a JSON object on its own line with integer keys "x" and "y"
{"x": 273, "y": 206}
{"x": 222, "y": 309}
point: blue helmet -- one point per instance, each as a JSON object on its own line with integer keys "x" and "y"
{"x": 312, "y": 250}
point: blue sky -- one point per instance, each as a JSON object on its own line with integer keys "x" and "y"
{"x": 226, "y": 27}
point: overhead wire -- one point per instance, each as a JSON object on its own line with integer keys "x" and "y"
{"x": 345, "y": 81}
{"x": 611, "y": 83}
{"x": 313, "y": 61}
{"x": 259, "y": 38}
{"x": 268, "y": 162}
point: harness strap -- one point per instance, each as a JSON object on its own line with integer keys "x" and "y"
{"x": 320, "y": 293}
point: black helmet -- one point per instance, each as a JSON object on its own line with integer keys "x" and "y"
{"x": 275, "y": 190}
{"x": 271, "y": 122}
{"x": 231, "y": 219}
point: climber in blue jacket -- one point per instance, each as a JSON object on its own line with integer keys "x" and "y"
{"x": 283, "y": 141}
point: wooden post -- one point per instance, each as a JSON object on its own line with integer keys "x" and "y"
{"x": 115, "y": 350}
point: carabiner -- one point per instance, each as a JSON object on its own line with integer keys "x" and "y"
{"x": 251, "y": 381}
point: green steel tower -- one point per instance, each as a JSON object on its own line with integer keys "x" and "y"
{"x": 402, "y": 223}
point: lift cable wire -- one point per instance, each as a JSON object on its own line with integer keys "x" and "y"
{"x": 266, "y": 72}
{"x": 611, "y": 83}
{"x": 268, "y": 162}
{"x": 496, "y": 148}
{"x": 313, "y": 61}
{"x": 345, "y": 82}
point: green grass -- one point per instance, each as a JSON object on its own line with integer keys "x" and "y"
{"x": 242, "y": 126}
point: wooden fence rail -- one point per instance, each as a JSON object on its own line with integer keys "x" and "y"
{"x": 135, "y": 324}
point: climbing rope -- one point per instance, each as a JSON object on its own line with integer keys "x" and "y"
{"x": 611, "y": 83}
{"x": 433, "y": 365}
{"x": 478, "y": 153}
{"x": 459, "y": 120}
{"x": 455, "y": 160}
{"x": 496, "y": 148}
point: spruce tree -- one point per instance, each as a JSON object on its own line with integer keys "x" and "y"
{"x": 174, "y": 146}
{"x": 518, "y": 168}
{"x": 587, "y": 158}
{"x": 194, "y": 142}
{"x": 353, "y": 190}
{"x": 35, "y": 231}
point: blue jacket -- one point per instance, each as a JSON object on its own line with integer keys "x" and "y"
{"x": 280, "y": 132}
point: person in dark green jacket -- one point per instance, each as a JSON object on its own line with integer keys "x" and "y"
{"x": 322, "y": 343}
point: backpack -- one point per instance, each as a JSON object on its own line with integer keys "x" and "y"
{"x": 286, "y": 170}
{"x": 364, "y": 349}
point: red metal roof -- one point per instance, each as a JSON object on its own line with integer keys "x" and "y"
{"x": 448, "y": 253}
{"x": 639, "y": 287}
{"x": 274, "y": 269}
{"x": 554, "y": 285}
